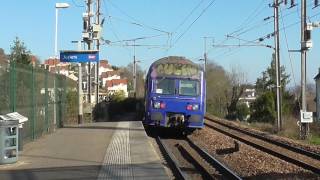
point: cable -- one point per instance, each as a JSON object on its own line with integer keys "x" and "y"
{"x": 203, "y": 11}
{"x": 260, "y": 25}
{"x": 246, "y": 21}
{"x": 271, "y": 34}
{"x": 133, "y": 23}
{"x": 289, "y": 54}
{"x": 187, "y": 17}
{"x": 136, "y": 21}
{"x": 77, "y": 5}
{"x": 112, "y": 28}
{"x": 138, "y": 24}
{"x": 139, "y": 38}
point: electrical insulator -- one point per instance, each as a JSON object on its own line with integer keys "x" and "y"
{"x": 307, "y": 43}
{"x": 285, "y": 2}
{"x": 316, "y": 3}
{"x": 307, "y": 35}
{"x": 292, "y": 3}
{"x": 85, "y": 25}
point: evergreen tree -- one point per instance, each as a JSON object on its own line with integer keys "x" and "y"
{"x": 268, "y": 80}
{"x": 19, "y": 52}
{"x": 264, "y": 109}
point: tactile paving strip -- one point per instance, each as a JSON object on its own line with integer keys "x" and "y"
{"x": 117, "y": 161}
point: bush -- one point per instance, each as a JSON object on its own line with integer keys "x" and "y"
{"x": 117, "y": 96}
{"x": 126, "y": 106}
{"x": 72, "y": 107}
{"x": 263, "y": 108}
{"x": 242, "y": 112}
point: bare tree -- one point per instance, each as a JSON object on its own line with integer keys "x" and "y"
{"x": 127, "y": 72}
{"x": 217, "y": 85}
{"x": 238, "y": 80}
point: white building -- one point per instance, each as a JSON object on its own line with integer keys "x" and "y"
{"x": 104, "y": 66}
{"x": 249, "y": 95}
{"x": 115, "y": 85}
{"x": 108, "y": 76}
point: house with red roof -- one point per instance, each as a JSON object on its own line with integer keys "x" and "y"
{"x": 115, "y": 85}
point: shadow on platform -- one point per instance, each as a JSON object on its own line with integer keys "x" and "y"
{"x": 103, "y": 127}
{"x": 91, "y": 172}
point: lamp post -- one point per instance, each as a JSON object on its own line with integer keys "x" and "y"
{"x": 57, "y": 7}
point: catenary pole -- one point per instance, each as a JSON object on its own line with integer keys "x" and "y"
{"x": 277, "y": 61}
{"x": 89, "y": 48}
{"x": 134, "y": 70}
{"x": 98, "y": 48}
{"x": 80, "y": 99}
{"x": 304, "y": 127}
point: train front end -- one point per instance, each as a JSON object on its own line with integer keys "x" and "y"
{"x": 175, "y": 94}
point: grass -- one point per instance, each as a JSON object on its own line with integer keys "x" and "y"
{"x": 315, "y": 140}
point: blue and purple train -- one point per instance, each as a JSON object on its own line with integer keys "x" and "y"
{"x": 175, "y": 94}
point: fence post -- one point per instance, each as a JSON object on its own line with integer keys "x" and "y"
{"x": 46, "y": 102}
{"x": 33, "y": 104}
{"x": 13, "y": 82}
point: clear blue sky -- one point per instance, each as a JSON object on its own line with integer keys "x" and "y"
{"x": 33, "y": 22}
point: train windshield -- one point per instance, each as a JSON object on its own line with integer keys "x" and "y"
{"x": 165, "y": 86}
{"x": 189, "y": 87}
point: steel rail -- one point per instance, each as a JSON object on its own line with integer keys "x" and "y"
{"x": 204, "y": 173}
{"x": 171, "y": 160}
{"x": 224, "y": 170}
{"x": 269, "y": 151}
{"x": 264, "y": 138}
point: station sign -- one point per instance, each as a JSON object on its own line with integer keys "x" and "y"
{"x": 79, "y": 56}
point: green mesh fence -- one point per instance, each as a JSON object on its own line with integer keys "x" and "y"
{"x": 31, "y": 91}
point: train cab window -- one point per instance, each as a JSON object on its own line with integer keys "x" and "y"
{"x": 165, "y": 86}
{"x": 189, "y": 88}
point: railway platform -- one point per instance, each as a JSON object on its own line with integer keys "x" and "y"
{"x": 104, "y": 150}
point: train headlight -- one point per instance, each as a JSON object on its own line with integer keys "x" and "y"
{"x": 193, "y": 107}
{"x": 159, "y": 105}
{"x": 156, "y": 105}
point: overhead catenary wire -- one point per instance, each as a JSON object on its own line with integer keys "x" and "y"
{"x": 139, "y": 38}
{"x": 258, "y": 25}
{"x": 247, "y": 20}
{"x": 76, "y": 4}
{"x": 289, "y": 55}
{"x": 113, "y": 43}
{"x": 269, "y": 20}
{"x": 266, "y": 36}
{"x": 112, "y": 28}
{"x": 188, "y": 28}
{"x": 188, "y": 16}
{"x": 138, "y": 22}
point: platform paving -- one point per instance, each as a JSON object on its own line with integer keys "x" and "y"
{"x": 104, "y": 150}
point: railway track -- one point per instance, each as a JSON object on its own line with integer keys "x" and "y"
{"x": 298, "y": 156}
{"x": 203, "y": 164}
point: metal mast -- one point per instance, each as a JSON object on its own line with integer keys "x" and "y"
{"x": 277, "y": 61}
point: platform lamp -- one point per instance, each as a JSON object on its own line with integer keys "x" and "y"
{"x": 57, "y": 7}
